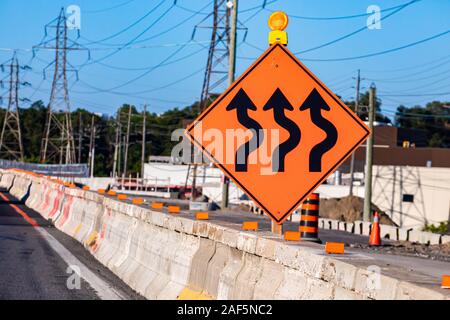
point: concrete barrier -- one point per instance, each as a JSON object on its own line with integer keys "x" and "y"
{"x": 445, "y": 239}
{"x": 424, "y": 237}
{"x": 7, "y": 179}
{"x": 388, "y": 232}
{"x": 164, "y": 256}
{"x": 21, "y": 186}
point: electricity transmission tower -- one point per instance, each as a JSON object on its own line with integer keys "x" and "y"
{"x": 11, "y": 147}
{"x": 216, "y": 72}
{"x": 58, "y": 142}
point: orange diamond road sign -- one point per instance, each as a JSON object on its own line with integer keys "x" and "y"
{"x": 278, "y": 132}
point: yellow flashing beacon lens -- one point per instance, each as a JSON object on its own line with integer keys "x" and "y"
{"x": 278, "y": 21}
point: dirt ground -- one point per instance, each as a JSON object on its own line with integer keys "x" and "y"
{"x": 439, "y": 252}
{"x": 349, "y": 209}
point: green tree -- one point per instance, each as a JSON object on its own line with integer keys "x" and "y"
{"x": 433, "y": 119}
{"x": 363, "y": 108}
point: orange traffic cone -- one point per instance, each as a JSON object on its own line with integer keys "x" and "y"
{"x": 375, "y": 239}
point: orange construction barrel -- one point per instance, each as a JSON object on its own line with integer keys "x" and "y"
{"x": 309, "y": 219}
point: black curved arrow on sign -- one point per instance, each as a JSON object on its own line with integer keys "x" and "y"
{"x": 242, "y": 103}
{"x": 316, "y": 104}
{"x": 278, "y": 102}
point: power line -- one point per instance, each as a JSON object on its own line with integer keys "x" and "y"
{"x": 109, "y": 8}
{"x": 340, "y": 17}
{"x": 162, "y": 63}
{"x": 356, "y": 31}
{"x": 159, "y": 64}
{"x": 264, "y": 4}
{"x": 408, "y": 76}
{"x": 423, "y": 86}
{"x": 128, "y": 27}
{"x": 417, "y": 115}
{"x": 132, "y": 40}
{"x": 160, "y": 33}
{"x": 392, "y": 100}
{"x": 378, "y": 53}
{"x": 416, "y": 95}
{"x": 111, "y": 90}
{"x": 410, "y": 67}
{"x": 383, "y": 51}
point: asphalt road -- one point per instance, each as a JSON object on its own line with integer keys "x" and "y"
{"x": 35, "y": 259}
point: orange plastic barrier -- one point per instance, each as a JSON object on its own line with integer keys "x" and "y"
{"x": 138, "y": 201}
{"x": 122, "y": 197}
{"x": 292, "y": 236}
{"x": 174, "y": 209}
{"x": 334, "y": 247}
{"x": 86, "y": 188}
{"x": 101, "y": 191}
{"x": 250, "y": 225}
{"x": 202, "y": 216}
{"x": 157, "y": 205}
{"x": 112, "y": 193}
{"x": 445, "y": 282}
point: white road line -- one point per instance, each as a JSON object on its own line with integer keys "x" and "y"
{"x": 102, "y": 288}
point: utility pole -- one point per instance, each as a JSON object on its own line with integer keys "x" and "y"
{"x": 80, "y": 136}
{"x": 117, "y": 145}
{"x": 369, "y": 159}
{"x": 352, "y": 160}
{"x": 11, "y": 137}
{"x": 233, "y": 37}
{"x": 92, "y": 146}
{"x": 144, "y": 123}
{"x": 127, "y": 142}
{"x": 231, "y": 76}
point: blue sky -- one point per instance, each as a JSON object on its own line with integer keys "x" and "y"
{"x": 409, "y": 76}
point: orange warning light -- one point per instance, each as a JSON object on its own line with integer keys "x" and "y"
{"x": 278, "y": 21}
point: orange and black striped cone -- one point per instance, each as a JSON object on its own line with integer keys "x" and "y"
{"x": 374, "y": 239}
{"x": 309, "y": 219}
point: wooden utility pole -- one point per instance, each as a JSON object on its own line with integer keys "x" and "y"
{"x": 92, "y": 146}
{"x": 127, "y": 143}
{"x": 80, "y": 136}
{"x": 231, "y": 76}
{"x": 352, "y": 160}
{"x": 143, "y": 140}
{"x": 369, "y": 154}
{"x": 117, "y": 145}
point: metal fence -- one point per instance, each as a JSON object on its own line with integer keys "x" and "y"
{"x": 56, "y": 170}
